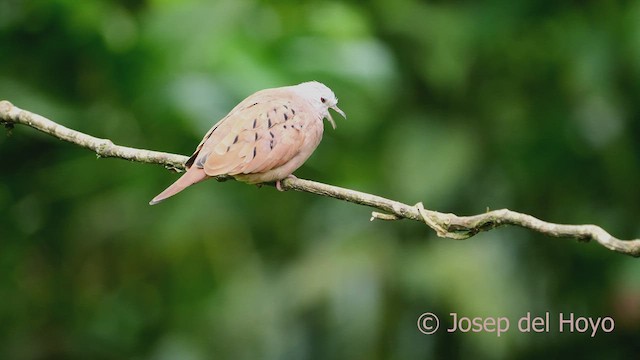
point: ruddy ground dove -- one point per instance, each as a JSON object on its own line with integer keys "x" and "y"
{"x": 265, "y": 138}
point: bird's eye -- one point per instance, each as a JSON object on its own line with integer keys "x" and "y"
{"x": 323, "y": 100}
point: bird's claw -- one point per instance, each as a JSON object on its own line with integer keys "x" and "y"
{"x": 279, "y": 182}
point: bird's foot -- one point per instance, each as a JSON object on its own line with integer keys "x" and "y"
{"x": 279, "y": 184}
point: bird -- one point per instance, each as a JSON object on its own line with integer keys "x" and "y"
{"x": 263, "y": 139}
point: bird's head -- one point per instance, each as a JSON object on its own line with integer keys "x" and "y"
{"x": 321, "y": 98}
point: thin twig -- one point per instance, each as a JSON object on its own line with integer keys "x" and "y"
{"x": 446, "y": 225}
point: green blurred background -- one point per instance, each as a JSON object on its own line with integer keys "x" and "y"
{"x": 531, "y": 105}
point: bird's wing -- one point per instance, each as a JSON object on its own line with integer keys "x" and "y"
{"x": 261, "y": 133}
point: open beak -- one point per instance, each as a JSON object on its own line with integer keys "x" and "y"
{"x": 337, "y": 109}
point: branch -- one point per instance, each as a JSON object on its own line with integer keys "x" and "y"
{"x": 446, "y": 225}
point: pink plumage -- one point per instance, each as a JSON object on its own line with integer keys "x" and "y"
{"x": 265, "y": 138}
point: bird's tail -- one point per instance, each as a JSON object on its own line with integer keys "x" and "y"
{"x": 193, "y": 176}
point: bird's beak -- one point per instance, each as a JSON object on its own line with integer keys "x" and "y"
{"x": 337, "y": 109}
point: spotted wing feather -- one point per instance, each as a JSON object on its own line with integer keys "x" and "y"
{"x": 252, "y": 139}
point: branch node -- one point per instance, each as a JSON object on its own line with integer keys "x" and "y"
{"x": 105, "y": 145}
{"x": 434, "y": 220}
{"x": 440, "y": 231}
{"x": 383, "y": 216}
